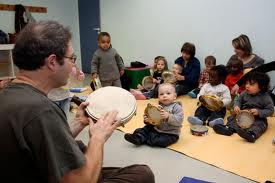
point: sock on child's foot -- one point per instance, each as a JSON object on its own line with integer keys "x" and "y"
{"x": 193, "y": 120}
{"x": 218, "y": 121}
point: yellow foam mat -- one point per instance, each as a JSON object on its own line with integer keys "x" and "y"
{"x": 254, "y": 161}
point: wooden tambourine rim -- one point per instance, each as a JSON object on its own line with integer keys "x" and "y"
{"x": 213, "y": 97}
{"x": 143, "y": 82}
{"x": 131, "y": 99}
{"x": 150, "y": 119}
{"x": 239, "y": 123}
{"x": 194, "y": 130}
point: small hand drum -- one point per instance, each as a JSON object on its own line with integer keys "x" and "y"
{"x": 147, "y": 83}
{"x": 212, "y": 102}
{"x": 168, "y": 77}
{"x": 112, "y": 98}
{"x": 198, "y": 130}
{"x": 153, "y": 114}
{"x": 245, "y": 119}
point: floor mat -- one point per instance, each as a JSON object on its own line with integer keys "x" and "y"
{"x": 255, "y": 161}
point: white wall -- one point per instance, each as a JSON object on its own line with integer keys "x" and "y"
{"x": 64, "y": 11}
{"x": 143, "y": 29}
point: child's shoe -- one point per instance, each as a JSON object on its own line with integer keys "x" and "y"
{"x": 194, "y": 120}
{"x": 218, "y": 121}
{"x": 133, "y": 138}
{"x": 223, "y": 129}
{"x": 249, "y": 136}
{"x": 192, "y": 94}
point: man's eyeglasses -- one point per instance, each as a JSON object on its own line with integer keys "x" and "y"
{"x": 72, "y": 58}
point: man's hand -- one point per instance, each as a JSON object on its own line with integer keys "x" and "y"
{"x": 235, "y": 89}
{"x": 121, "y": 72}
{"x": 81, "y": 114}
{"x": 104, "y": 127}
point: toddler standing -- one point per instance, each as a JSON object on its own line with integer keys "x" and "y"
{"x": 106, "y": 62}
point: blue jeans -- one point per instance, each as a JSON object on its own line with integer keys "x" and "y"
{"x": 183, "y": 89}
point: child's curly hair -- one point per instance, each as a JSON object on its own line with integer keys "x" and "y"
{"x": 262, "y": 79}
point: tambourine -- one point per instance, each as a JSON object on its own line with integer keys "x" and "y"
{"x": 153, "y": 114}
{"x": 168, "y": 77}
{"x": 198, "y": 130}
{"x": 212, "y": 102}
{"x": 148, "y": 83}
{"x": 95, "y": 84}
{"x": 110, "y": 98}
{"x": 245, "y": 119}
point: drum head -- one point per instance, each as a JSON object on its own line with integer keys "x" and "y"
{"x": 147, "y": 83}
{"x": 111, "y": 98}
{"x": 199, "y": 130}
{"x": 212, "y": 102}
{"x": 245, "y": 119}
{"x": 153, "y": 114}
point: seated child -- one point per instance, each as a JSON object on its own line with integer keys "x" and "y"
{"x": 214, "y": 87}
{"x": 255, "y": 99}
{"x": 234, "y": 73}
{"x": 169, "y": 130}
{"x": 154, "y": 67}
{"x": 141, "y": 93}
{"x": 209, "y": 61}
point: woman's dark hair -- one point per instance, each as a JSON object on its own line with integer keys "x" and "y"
{"x": 102, "y": 34}
{"x": 188, "y": 48}
{"x": 261, "y": 78}
{"x": 39, "y": 40}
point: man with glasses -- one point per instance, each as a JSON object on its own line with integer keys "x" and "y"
{"x": 37, "y": 143}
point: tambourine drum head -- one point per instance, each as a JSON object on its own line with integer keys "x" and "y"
{"x": 154, "y": 115}
{"x": 245, "y": 119}
{"x": 147, "y": 83}
{"x": 199, "y": 130}
{"x": 111, "y": 98}
{"x": 212, "y": 102}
